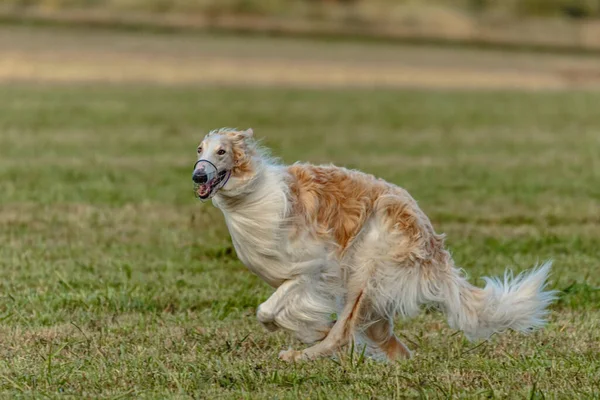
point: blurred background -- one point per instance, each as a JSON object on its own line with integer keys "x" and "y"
{"x": 564, "y": 23}
{"x": 542, "y": 26}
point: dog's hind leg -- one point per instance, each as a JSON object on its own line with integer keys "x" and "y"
{"x": 359, "y": 266}
{"x": 342, "y": 330}
{"x": 381, "y": 334}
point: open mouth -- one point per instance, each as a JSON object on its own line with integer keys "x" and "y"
{"x": 203, "y": 191}
{"x": 207, "y": 179}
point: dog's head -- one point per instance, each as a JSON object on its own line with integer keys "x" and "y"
{"x": 225, "y": 161}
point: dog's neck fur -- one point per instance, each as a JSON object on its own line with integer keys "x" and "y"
{"x": 254, "y": 214}
{"x": 256, "y": 190}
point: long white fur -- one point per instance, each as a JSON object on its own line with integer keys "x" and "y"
{"x": 310, "y": 278}
{"x": 304, "y": 273}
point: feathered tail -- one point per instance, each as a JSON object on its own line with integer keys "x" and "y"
{"x": 518, "y": 303}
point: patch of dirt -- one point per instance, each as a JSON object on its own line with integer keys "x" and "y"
{"x": 60, "y": 55}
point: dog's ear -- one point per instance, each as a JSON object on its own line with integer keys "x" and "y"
{"x": 243, "y": 148}
{"x": 248, "y": 133}
{"x": 242, "y": 136}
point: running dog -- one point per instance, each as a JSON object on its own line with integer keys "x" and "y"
{"x": 347, "y": 253}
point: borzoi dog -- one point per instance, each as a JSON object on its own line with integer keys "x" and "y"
{"x": 347, "y": 252}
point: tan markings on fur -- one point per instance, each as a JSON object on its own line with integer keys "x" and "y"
{"x": 337, "y": 202}
{"x": 353, "y": 316}
{"x": 381, "y": 333}
{"x": 418, "y": 240}
{"x": 243, "y": 159}
{"x": 242, "y": 154}
{"x": 340, "y": 333}
{"x": 395, "y": 349}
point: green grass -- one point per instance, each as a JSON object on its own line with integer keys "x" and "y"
{"x": 116, "y": 282}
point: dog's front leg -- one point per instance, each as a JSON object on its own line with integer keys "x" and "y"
{"x": 267, "y": 311}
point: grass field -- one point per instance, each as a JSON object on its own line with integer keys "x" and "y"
{"x": 117, "y": 283}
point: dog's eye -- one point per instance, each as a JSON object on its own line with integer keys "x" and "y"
{"x": 221, "y": 152}
{"x": 199, "y": 149}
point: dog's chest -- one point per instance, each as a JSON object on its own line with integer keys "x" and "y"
{"x": 260, "y": 232}
{"x": 257, "y": 240}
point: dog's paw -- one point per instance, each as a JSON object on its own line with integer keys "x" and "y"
{"x": 291, "y": 355}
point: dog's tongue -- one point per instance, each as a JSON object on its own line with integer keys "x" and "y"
{"x": 203, "y": 190}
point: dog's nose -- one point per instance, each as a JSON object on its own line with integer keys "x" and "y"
{"x": 199, "y": 177}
